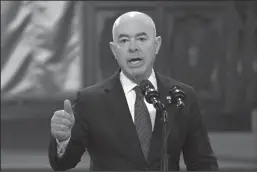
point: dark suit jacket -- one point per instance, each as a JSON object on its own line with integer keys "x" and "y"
{"x": 105, "y": 128}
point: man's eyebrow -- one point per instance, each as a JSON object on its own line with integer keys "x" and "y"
{"x": 123, "y": 35}
{"x": 138, "y": 34}
{"x": 141, "y": 34}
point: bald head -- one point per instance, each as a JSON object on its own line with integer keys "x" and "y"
{"x": 133, "y": 16}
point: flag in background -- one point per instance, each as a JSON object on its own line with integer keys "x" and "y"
{"x": 40, "y": 47}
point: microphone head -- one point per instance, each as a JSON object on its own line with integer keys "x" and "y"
{"x": 148, "y": 91}
{"x": 145, "y": 85}
{"x": 178, "y": 96}
{"x": 177, "y": 92}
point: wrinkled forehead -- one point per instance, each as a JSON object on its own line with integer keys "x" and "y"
{"x": 133, "y": 24}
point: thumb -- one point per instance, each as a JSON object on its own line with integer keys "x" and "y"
{"x": 67, "y": 107}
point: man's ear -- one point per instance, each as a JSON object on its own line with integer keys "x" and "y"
{"x": 113, "y": 48}
{"x": 158, "y": 44}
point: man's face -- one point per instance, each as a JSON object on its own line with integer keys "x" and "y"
{"x": 135, "y": 47}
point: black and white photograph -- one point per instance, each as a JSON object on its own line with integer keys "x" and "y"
{"x": 129, "y": 85}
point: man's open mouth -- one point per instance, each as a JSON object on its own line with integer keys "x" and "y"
{"x": 135, "y": 60}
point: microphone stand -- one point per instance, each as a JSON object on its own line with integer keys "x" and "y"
{"x": 177, "y": 96}
{"x": 160, "y": 107}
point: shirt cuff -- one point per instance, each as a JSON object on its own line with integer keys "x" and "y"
{"x": 61, "y": 147}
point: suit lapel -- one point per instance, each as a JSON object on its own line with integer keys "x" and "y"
{"x": 123, "y": 124}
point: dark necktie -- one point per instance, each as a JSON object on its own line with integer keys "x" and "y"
{"x": 142, "y": 122}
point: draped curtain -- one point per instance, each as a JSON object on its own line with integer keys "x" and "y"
{"x": 40, "y": 48}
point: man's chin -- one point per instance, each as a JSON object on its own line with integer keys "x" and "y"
{"x": 137, "y": 72}
{"x": 138, "y": 75}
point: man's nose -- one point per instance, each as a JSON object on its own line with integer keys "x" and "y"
{"x": 133, "y": 46}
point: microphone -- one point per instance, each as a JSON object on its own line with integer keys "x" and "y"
{"x": 151, "y": 94}
{"x": 178, "y": 96}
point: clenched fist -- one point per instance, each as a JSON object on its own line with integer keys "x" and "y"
{"x": 62, "y": 122}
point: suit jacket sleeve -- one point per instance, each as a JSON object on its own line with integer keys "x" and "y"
{"x": 77, "y": 144}
{"x": 197, "y": 151}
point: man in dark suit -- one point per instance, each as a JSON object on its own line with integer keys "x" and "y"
{"x": 112, "y": 120}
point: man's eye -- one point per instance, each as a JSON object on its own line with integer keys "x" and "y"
{"x": 123, "y": 41}
{"x": 142, "y": 39}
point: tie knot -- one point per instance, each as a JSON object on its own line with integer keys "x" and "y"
{"x": 138, "y": 91}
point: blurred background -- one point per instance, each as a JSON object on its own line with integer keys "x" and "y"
{"x": 51, "y": 49}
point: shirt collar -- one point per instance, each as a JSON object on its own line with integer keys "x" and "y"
{"x": 128, "y": 84}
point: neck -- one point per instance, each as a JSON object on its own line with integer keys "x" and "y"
{"x": 138, "y": 78}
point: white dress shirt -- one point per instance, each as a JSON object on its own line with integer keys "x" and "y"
{"x": 130, "y": 95}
